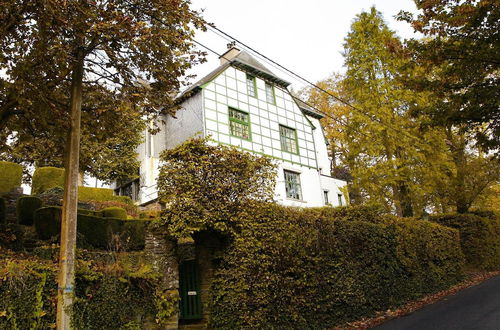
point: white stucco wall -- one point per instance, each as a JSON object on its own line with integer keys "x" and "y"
{"x": 322, "y": 158}
{"x": 188, "y": 122}
{"x": 206, "y": 113}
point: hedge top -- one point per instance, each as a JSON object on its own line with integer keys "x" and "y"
{"x": 11, "y": 175}
{"x": 46, "y": 178}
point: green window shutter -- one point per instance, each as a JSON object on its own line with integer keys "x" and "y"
{"x": 189, "y": 283}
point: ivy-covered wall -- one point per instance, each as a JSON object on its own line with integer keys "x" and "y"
{"x": 113, "y": 291}
{"x": 319, "y": 268}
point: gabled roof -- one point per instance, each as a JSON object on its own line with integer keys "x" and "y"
{"x": 307, "y": 109}
{"x": 249, "y": 64}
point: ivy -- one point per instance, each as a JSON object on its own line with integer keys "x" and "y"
{"x": 205, "y": 185}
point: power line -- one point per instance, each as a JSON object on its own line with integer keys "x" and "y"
{"x": 364, "y": 113}
{"x": 414, "y": 138}
{"x": 231, "y": 38}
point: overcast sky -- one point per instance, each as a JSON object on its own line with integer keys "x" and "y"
{"x": 304, "y": 36}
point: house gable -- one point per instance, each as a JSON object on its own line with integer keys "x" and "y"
{"x": 229, "y": 90}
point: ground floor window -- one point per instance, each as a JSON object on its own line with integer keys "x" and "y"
{"x": 292, "y": 185}
{"x": 325, "y": 196}
{"x": 130, "y": 189}
{"x": 339, "y": 196}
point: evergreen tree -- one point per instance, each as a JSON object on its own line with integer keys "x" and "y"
{"x": 382, "y": 161}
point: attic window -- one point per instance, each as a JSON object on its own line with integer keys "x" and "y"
{"x": 270, "y": 96}
{"x": 251, "y": 86}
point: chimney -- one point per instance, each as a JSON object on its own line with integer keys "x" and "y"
{"x": 230, "y": 53}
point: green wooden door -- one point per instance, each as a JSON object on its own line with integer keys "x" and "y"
{"x": 189, "y": 283}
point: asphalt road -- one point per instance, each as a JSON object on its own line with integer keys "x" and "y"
{"x": 475, "y": 308}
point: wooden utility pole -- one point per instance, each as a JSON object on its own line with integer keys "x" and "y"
{"x": 66, "y": 276}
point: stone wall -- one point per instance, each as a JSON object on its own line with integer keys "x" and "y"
{"x": 165, "y": 255}
{"x": 10, "y": 204}
{"x": 161, "y": 252}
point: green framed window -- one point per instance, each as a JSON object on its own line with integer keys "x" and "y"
{"x": 189, "y": 291}
{"x": 325, "y": 197}
{"x": 292, "y": 185}
{"x": 288, "y": 137}
{"x": 251, "y": 86}
{"x": 239, "y": 123}
{"x": 270, "y": 95}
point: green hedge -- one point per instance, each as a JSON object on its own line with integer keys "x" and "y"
{"x": 302, "y": 269}
{"x": 114, "y": 212}
{"x": 46, "y": 178}
{"x": 26, "y": 207}
{"x": 103, "y": 300}
{"x": 11, "y": 175}
{"x": 100, "y": 194}
{"x": 94, "y": 231}
{"x": 479, "y": 237}
{"x": 2, "y": 211}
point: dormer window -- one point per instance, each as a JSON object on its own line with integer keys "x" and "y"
{"x": 270, "y": 96}
{"x": 251, "y": 86}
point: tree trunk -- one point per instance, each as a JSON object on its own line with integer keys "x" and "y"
{"x": 460, "y": 193}
{"x": 405, "y": 201}
{"x": 457, "y": 147}
{"x": 66, "y": 274}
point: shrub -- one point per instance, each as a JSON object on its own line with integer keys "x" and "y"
{"x": 2, "y": 211}
{"x": 26, "y": 207}
{"x": 48, "y": 222}
{"x": 114, "y": 212}
{"x": 11, "y": 175}
{"x": 46, "y": 178}
{"x": 94, "y": 231}
{"x": 149, "y": 215}
{"x": 130, "y": 208}
{"x": 11, "y": 237}
{"x": 479, "y": 238}
{"x": 292, "y": 268}
{"x": 205, "y": 184}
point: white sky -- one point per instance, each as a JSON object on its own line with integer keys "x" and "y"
{"x": 304, "y": 36}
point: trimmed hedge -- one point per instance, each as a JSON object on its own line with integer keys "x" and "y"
{"x": 11, "y": 175}
{"x": 2, "y": 211}
{"x": 100, "y": 194}
{"x": 46, "y": 178}
{"x": 26, "y": 207}
{"x": 114, "y": 212}
{"x": 94, "y": 231}
{"x": 479, "y": 238}
{"x": 302, "y": 269}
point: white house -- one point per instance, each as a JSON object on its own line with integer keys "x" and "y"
{"x": 242, "y": 103}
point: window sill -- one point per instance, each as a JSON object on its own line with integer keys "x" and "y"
{"x": 296, "y": 200}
